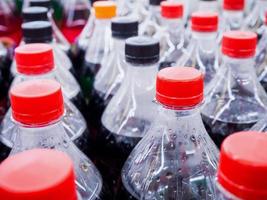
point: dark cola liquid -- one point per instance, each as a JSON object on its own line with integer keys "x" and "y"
{"x": 219, "y": 130}
{"x": 96, "y": 107}
{"x": 110, "y": 154}
{"x": 77, "y": 60}
{"x": 86, "y": 79}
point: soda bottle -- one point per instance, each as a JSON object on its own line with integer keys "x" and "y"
{"x": 129, "y": 113}
{"x": 112, "y": 72}
{"x": 151, "y": 26}
{"x": 172, "y": 44}
{"x": 232, "y": 16}
{"x": 9, "y": 23}
{"x": 37, "y": 109}
{"x": 202, "y": 51}
{"x": 99, "y": 45}
{"x": 36, "y": 61}
{"x": 261, "y": 56}
{"x": 242, "y": 168}
{"x": 176, "y": 159}
{"x": 76, "y": 14}
{"x": 53, "y": 176}
{"x": 237, "y": 100}
{"x": 255, "y": 20}
{"x": 57, "y": 34}
{"x": 41, "y": 32}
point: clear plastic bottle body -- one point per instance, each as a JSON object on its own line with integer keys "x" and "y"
{"x": 53, "y": 136}
{"x": 256, "y": 17}
{"x": 107, "y": 82}
{"x": 100, "y": 45}
{"x": 131, "y": 111}
{"x": 125, "y": 120}
{"x": 110, "y": 76}
{"x": 202, "y": 53}
{"x": 176, "y": 159}
{"x": 73, "y": 121}
{"x": 172, "y": 43}
{"x": 261, "y": 59}
{"x": 236, "y": 100}
{"x": 151, "y": 26}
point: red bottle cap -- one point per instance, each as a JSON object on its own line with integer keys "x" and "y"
{"x": 34, "y": 59}
{"x": 38, "y": 174}
{"x": 179, "y": 87}
{"x": 239, "y": 44}
{"x": 234, "y": 5}
{"x": 36, "y": 102}
{"x": 243, "y": 165}
{"x": 171, "y": 10}
{"x": 265, "y": 18}
{"x": 204, "y": 21}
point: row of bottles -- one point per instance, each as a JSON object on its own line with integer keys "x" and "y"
{"x": 140, "y": 103}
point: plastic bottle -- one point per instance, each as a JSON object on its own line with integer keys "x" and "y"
{"x": 255, "y": 21}
{"x": 176, "y": 159}
{"x": 110, "y": 76}
{"x": 130, "y": 112}
{"x": 9, "y": 23}
{"x": 237, "y": 100}
{"x": 57, "y": 34}
{"x": 202, "y": 51}
{"x": 242, "y": 167}
{"x": 36, "y": 61}
{"x": 232, "y": 16}
{"x": 151, "y": 26}
{"x": 76, "y": 14}
{"x": 37, "y": 109}
{"x": 172, "y": 44}
{"x": 261, "y": 56}
{"x": 41, "y": 32}
{"x": 53, "y": 176}
{"x": 100, "y": 44}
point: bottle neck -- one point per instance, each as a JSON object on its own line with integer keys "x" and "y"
{"x": 141, "y": 75}
{"x": 206, "y": 41}
{"x": 240, "y": 68}
{"x": 27, "y": 77}
{"x": 32, "y": 136}
{"x": 119, "y": 45}
{"x": 208, "y": 6}
{"x": 175, "y": 29}
{"x": 233, "y": 19}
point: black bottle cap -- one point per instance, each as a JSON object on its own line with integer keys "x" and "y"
{"x": 41, "y": 3}
{"x": 142, "y": 50}
{"x": 34, "y": 14}
{"x": 124, "y": 27}
{"x": 37, "y": 32}
{"x": 155, "y": 2}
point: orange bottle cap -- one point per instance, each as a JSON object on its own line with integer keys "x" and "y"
{"x": 105, "y": 9}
